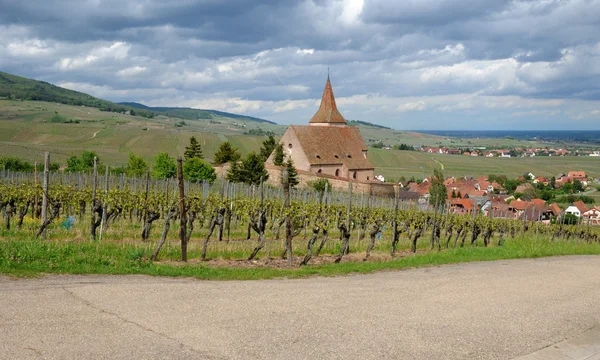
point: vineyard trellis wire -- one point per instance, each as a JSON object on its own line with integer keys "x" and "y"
{"x": 224, "y": 206}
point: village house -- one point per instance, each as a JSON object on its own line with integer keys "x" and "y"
{"x": 577, "y": 208}
{"x": 328, "y": 145}
{"x": 592, "y": 216}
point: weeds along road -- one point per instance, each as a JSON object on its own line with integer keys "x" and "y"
{"x": 488, "y": 310}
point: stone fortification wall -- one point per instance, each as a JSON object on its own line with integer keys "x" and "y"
{"x": 338, "y": 184}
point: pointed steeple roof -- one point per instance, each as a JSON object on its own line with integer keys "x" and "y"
{"x": 328, "y": 112}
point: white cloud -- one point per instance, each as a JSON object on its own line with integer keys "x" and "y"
{"x": 116, "y": 51}
{"x": 352, "y": 10}
{"x": 29, "y": 48}
{"x": 412, "y": 106}
{"x": 305, "y": 51}
{"x": 132, "y": 71}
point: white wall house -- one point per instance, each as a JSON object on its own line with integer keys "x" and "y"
{"x": 573, "y": 210}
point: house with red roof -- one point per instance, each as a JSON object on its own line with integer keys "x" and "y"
{"x": 461, "y": 206}
{"x": 592, "y": 216}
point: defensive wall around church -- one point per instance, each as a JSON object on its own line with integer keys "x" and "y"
{"x": 374, "y": 188}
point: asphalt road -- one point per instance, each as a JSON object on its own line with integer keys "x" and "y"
{"x": 488, "y": 310}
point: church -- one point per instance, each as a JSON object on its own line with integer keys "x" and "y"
{"x": 328, "y": 145}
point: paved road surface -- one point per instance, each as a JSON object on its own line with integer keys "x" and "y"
{"x": 489, "y": 310}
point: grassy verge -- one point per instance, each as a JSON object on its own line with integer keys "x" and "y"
{"x": 23, "y": 258}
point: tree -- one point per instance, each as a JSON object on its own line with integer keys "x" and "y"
{"x": 578, "y": 186}
{"x": 267, "y": 147}
{"x": 437, "y": 191}
{"x": 320, "y": 185}
{"x": 279, "y": 157}
{"x": 226, "y": 153}
{"x": 292, "y": 173}
{"x": 136, "y": 166}
{"x": 196, "y": 170}
{"x": 249, "y": 171}
{"x": 164, "y": 166}
{"x": 85, "y": 162}
{"x": 193, "y": 150}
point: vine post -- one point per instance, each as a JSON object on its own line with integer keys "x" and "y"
{"x": 103, "y": 221}
{"x": 182, "y": 217}
{"x": 288, "y": 217}
{"x": 35, "y": 200}
{"x": 45, "y": 193}
{"x": 94, "y": 188}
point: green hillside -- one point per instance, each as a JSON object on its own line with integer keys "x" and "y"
{"x": 27, "y": 130}
{"x": 194, "y": 114}
{"x": 20, "y": 88}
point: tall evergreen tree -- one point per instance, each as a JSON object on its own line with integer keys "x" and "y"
{"x": 193, "y": 150}
{"x": 292, "y": 172}
{"x": 249, "y": 171}
{"x": 267, "y": 147}
{"x": 226, "y": 153}
{"x": 279, "y": 156}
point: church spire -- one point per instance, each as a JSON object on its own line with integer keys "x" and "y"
{"x": 328, "y": 112}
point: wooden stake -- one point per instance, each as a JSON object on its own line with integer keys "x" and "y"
{"x": 45, "y": 192}
{"x": 182, "y": 216}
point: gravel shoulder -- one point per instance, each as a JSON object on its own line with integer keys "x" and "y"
{"x": 486, "y": 310}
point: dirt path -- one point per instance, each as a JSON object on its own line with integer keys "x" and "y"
{"x": 487, "y": 310}
{"x": 96, "y": 133}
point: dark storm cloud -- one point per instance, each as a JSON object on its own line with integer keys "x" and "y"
{"x": 271, "y": 56}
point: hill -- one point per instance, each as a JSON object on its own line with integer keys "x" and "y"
{"x": 193, "y": 114}
{"x": 17, "y": 87}
{"x": 367, "y": 124}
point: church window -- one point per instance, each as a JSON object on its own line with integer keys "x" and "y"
{"x": 349, "y": 156}
{"x": 320, "y": 171}
{"x": 367, "y": 178}
{"x": 337, "y": 172}
{"x": 318, "y": 156}
{"x": 335, "y": 156}
{"x": 354, "y": 175}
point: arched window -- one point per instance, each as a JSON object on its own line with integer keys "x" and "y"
{"x": 368, "y": 178}
{"x": 354, "y": 175}
{"x": 320, "y": 171}
{"x": 337, "y": 172}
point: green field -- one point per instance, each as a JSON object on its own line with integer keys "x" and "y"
{"x": 25, "y": 131}
{"x": 394, "y": 163}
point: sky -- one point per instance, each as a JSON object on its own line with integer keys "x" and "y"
{"x": 407, "y": 64}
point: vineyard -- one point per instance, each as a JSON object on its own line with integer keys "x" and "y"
{"x": 247, "y": 223}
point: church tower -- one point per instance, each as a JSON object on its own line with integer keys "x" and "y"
{"x": 328, "y": 114}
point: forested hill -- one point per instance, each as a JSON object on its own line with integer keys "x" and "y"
{"x": 366, "y": 123}
{"x": 193, "y": 114}
{"x": 17, "y": 87}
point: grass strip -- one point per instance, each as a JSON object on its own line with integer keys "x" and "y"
{"x": 27, "y": 258}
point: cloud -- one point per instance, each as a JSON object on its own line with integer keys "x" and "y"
{"x": 451, "y": 63}
{"x": 412, "y": 106}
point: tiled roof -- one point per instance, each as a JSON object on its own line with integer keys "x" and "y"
{"x": 581, "y": 206}
{"x": 328, "y": 112}
{"x": 554, "y": 208}
{"x": 538, "y": 202}
{"x": 520, "y": 205}
{"x": 321, "y": 145}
